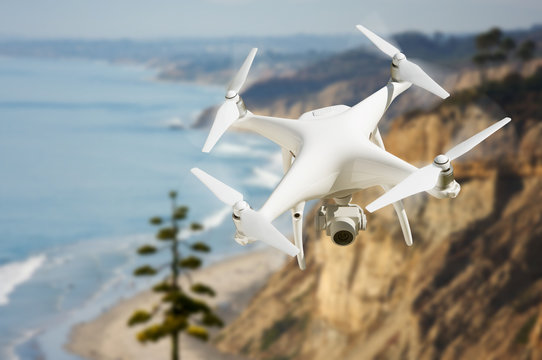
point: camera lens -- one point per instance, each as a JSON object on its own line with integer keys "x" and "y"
{"x": 343, "y": 237}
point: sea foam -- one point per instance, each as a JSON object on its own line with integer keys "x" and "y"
{"x": 230, "y": 149}
{"x": 209, "y": 222}
{"x": 16, "y": 273}
{"x": 269, "y": 175}
{"x": 263, "y": 178}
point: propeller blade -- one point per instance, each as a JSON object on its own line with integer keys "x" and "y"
{"x": 225, "y": 116}
{"x": 228, "y": 112}
{"x": 421, "y": 180}
{"x": 222, "y": 191}
{"x": 468, "y": 144}
{"x": 256, "y": 226}
{"x": 239, "y": 79}
{"x": 408, "y": 71}
{"x": 380, "y": 43}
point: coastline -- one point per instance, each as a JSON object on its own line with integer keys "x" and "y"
{"x": 235, "y": 279}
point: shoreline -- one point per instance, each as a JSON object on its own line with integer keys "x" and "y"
{"x": 236, "y": 280}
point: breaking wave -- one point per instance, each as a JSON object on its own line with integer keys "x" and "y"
{"x": 263, "y": 178}
{"x": 15, "y": 273}
{"x": 209, "y": 222}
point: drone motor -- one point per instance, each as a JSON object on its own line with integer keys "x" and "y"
{"x": 446, "y": 186}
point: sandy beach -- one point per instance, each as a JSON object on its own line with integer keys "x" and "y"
{"x": 235, "y": 280}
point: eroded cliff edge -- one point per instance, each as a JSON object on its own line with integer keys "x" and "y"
{"x": 471, "y": 285}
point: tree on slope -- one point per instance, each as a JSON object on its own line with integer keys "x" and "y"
{"x": 178, "y": 310}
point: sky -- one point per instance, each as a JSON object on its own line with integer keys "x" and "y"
{"x": 146, "y": 19}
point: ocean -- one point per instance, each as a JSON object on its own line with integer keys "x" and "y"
{"x": 87, "y": 156}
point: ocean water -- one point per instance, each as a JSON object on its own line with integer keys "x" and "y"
{"x": 86, "y": 157}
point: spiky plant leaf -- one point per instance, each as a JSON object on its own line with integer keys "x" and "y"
{"x": 139, "y": 317}
{"x": 201, "y": 247}
{"x": 162, "y": 287}
{"x": 190, "y": 262}
{"x": 180, "y": 213}
{"x": 146, "y": 250}
{"x": 156, "y": 220}
{"x": 211, "y": 319}
{"x": 166, "y": 233}
{"x": 203, "y": 289}
{"x": 145, "y": 270}
{"x": 196, "y": 226}
{"x": 198, "y": 332}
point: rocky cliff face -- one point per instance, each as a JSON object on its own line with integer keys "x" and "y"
{"x": 469, "y": 288}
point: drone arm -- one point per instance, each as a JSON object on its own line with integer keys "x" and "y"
{"x": 302, "y": 182}
{"x": 284, "y": 132}
{"x": 372, "y": 108}
{"x": 398, "y": 205}
{"x": 376, "y": 138}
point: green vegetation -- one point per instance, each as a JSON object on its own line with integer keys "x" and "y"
{"x": 273, "y": 333}
{"x": 179, "y": 310}
{"x": 139, "y": 317}
{"x": 155, "y": 220}
{"x": 246, "y": 348}
{"x": 190, "y": 262}
{"x": 522, "y": 336}
{"x": 145, "y": 270}
{"x": 494, "y": 48}
{"x": 526, "y": 50}
{"x": 202, "y": 247}
{"x": 202, "y": 289}
{"x": 520, "y": 97}
{"x": 146, "y": 250}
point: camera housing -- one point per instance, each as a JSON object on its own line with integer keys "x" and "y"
{"x": 341, "y": 222}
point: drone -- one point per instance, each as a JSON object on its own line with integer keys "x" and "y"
{"x": 332, "y": 153}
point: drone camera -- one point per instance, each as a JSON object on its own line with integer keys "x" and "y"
{"x": 341, "y": 222}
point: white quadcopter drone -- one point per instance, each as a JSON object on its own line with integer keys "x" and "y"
{"x": 331, "y": 153}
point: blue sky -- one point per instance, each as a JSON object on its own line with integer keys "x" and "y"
{"x": 177, "y": 18}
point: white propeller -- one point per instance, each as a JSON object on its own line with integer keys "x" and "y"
{"x": 239, "y": 79}
{"x": 427, "y": 177}
{"x": 471, "y": 142}
{"x": 253, "y": 224}
{"x": 228, "y": 111}
{"x": 222, "y": 191}
{"x": 403, "y": 69}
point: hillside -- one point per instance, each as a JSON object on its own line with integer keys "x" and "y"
{"x": 363, "y": 69}
{"x": 207, "y": 60}
{"x": 471, "y": 285}
{"x": 348, "y": 77}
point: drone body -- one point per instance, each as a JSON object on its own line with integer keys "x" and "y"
{"x": 332, "y": 153}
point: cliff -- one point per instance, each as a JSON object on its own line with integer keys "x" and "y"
{"x": 471, "y": 285}
{"x": 358, "y": 75}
